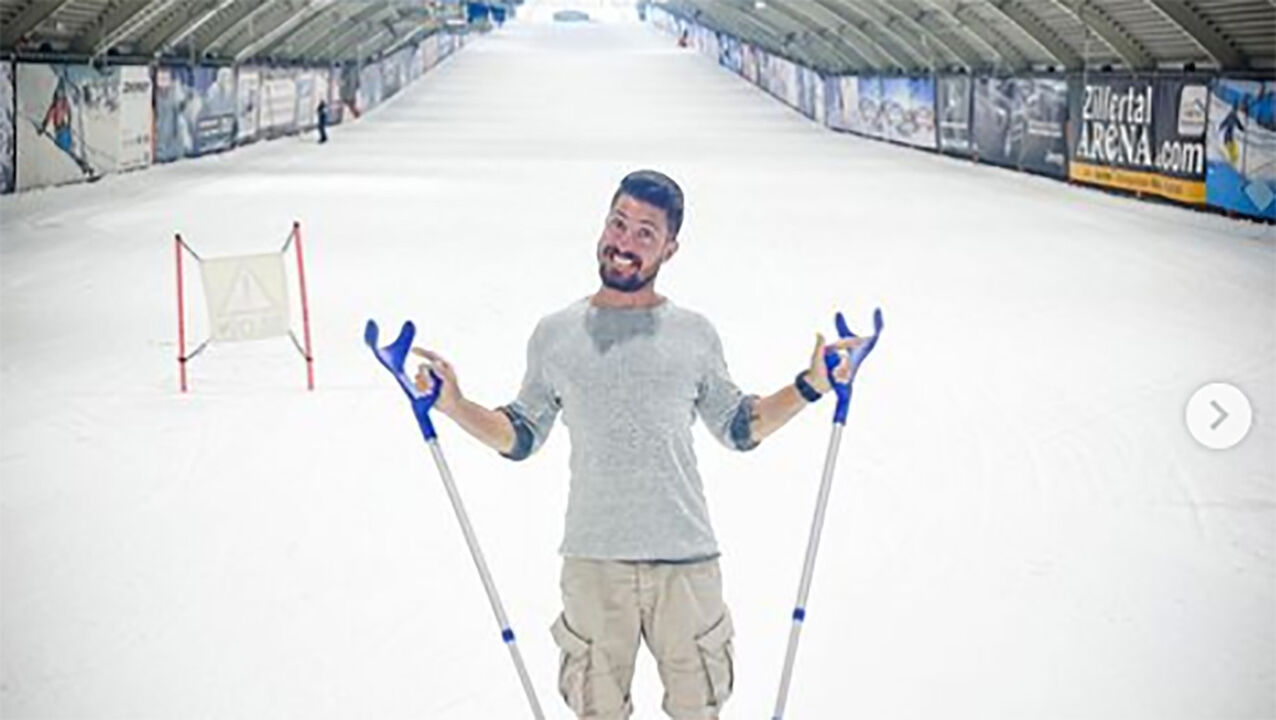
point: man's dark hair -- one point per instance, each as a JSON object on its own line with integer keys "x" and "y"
{"x": 654, "y": 188}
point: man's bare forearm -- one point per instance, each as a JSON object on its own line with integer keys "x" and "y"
{"x": 773, "y": 411}
{"x": 491, "y": 427}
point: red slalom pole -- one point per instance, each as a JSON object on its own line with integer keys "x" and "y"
{"x": 181, "y": 312}
{"x": 305, "y": 307}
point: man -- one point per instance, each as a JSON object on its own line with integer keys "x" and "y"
{"x": 322, "y": 113}
{"x": 630, "y": 371}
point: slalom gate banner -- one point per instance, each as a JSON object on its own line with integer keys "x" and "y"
{"x": 136, "y": 126}
{"x": 908, "y": 111}
{"x": 1241, "y": 147}
{"x": 1140, "y": 134}
{"x": 247, "y": 105}
{"x": 67, "y": 124}
{"x": 952, "y": 104}
{"x": 195, "y": 111}
{"x": 6, "y": 128}
{"x": 278, "y": 113}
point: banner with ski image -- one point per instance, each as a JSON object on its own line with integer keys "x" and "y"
{"x": 6, "y": 128}
{"x": 195, "y": 109}
{"x": 67, "y": 124}
{"x": 952, "y": 104}
{"x": 860, "y": 106}
{"x": 907, "y": 112}
{"x": 1241, "y": 147}
{"x": 1021, "y": 123}
{"x": 1140, "y": 134}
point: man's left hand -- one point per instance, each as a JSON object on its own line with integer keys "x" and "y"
{"x": 817, "y": 374}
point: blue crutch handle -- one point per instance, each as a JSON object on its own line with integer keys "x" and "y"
{"x": 858, "y": 355}
{"x": 392, "y": 357}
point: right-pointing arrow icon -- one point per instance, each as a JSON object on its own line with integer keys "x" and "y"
{"x": 1222, "y": 414}
{"x": 1218, "y": 415}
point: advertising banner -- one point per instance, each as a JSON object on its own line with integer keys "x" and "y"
{"x": 248, "y": 105}
{"x": 990, "y": 121}
{"x": 908, "y": 111}
{"x": 417, "y": 67}
{"x": 431, "y": 45}
{"x": 810, "y": 94}
{"x": 136, "y": 145}
{"x": 195, "y": 111}
{"x": 730, "y": 56}
{"x": 1241, "y": 147}
{"x": 1021, "y": 123}
{"x": 67, "y": 126}
{"x": 1039, "y": 120}
{"x": 779, "y": 77}
{"x": 307, "y": 93}
{"x": 278, "y": 112}
{"x": 336, "y": 108}
{"x": 392, "y": 76}
{"x": 750, "y": 64}
{"x": 369, "y": 88}
{"x": 862, "y": 106}
{"x": 1143, "y": 135}
{"x": 953, "y": 107}
{"x": 6, "y": 128}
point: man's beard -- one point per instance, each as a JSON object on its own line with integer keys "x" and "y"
{"x": 626, "y": 282}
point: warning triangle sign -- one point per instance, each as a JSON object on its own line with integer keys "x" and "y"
{"x": 247, "y": 295}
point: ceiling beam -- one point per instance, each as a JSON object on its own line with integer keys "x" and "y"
{"x": 892, "y": 55}
{"x": 1007, "y": 51}
{"x": 916, "y": 17}
{"x": 32, "y": 15}
{"x": 1212, "y": 41}
{"x": 351, "y": 29}
{"x": 1112, "y": 33}
{"x": 224, "y": 28}
{"x": 119, "y": 24}
{"x": 315, "y": 27}
{"x": 280, "y": 31}
{"x": 177, "y": 27}
{"x": 1041, "y": 33}
{"x": 819, "y": 29}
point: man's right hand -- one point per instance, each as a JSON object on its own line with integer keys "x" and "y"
{"x": 450, "y": 395}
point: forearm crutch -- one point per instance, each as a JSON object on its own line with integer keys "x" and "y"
{"x": 392, "y": 357}
{"x": 843, "y": 390}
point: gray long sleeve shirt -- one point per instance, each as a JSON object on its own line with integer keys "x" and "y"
{"x": 630, "y": 383}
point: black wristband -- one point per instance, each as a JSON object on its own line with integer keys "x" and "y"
{"x": 804, "y": 388}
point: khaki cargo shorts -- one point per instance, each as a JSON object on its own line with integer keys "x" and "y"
{"x": 677, "y": 608}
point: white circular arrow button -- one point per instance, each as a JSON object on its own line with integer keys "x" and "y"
{"x": 1218, "y": 416}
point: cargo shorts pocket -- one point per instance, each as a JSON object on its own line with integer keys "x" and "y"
{"x": 716, "y": 654}
{"x": 573, "y": 667}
